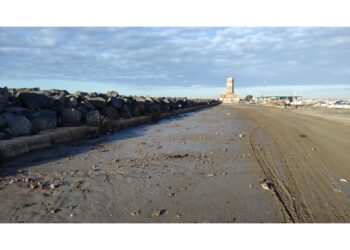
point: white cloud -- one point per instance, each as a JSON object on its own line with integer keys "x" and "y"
{"x": 177, "y": 56}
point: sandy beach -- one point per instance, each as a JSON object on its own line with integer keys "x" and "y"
{"x": 225, "y": 164}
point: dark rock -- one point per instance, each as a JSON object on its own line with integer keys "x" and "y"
{"x": 104, "y": 96}
{"x": 135, "y": 111}
{"x": 3, "y": 104}
{"x": 20, "y": 111}
{"x": 58, "y": 104}
{"x": 112, "y": 94}
{"x": 14, "y": 101}
{"x": 83, "y": 110}
{"x": 3, "y": 121}
{"x": 43, "y": 120}
{"x": 4, "y": 93}
{"x": 92, "y": 118}
{"x": 98, "y": 102}
{"x": 164, "y": 107}
{"x": 155, "y": 109}
{"x": 128, "y": 100}
{"x": 93, "y": 94}
{"x": 70, "y": 117}
{"x": 110, "y": 113}
{"x": 18, "y": 124}
{"x": 4, "y": 136}
{"x": 71, "y": 102}
{"x": 35, "y": 101}
{"x": 80, "y": 94}
{"x": 125, "y": 112}
{"x": 87, "y": 105}
{"x": 139, "y": 99}
{"x": 58, "y": 92}
{"x": 115, "y": 102}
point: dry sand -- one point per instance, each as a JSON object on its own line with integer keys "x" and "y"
{"x": 305, "y": 155}
{"x": 224, "y": 164}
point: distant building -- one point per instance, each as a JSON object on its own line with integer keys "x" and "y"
{"x": 277, "y": 99}
{"x": 230, "y": 96}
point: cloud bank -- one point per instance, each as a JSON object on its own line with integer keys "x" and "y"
{"x": 181, "y": 57}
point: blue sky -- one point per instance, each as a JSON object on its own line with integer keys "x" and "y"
{"x": 194, "y": 62}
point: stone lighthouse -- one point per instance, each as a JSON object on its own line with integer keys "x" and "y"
{"x": 230, "y": 96}
{"x": 229, "y": 85}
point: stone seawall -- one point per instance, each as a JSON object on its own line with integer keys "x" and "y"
{"x": 32, "y": 119}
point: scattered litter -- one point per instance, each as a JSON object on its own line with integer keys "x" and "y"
{"x": 241, "y": 135}
{"x": 265, "y": 186}
{"x": 104, "y": 150}
{"x": 175, "y": 156}
{"x": 224, "y": 149}
{"x": 53, "y": 186}
{"x": 343, "y": 180}
{"x": 158, "y": 213}
{"x": 11, "y": 181}
{"x": 178, "y": 215}
{"x": 224, "y": 173}
{"x": 137, "y": 213}
{"x": 313, "y": 149}
{"x": 210, "y": 175}
{"x": 53, "y": 211}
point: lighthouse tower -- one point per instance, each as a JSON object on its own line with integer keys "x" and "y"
{"x": 230, "y": 96}
{"x": 230, "y": 85}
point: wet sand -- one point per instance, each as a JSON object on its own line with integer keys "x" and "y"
{"x": 205, "y": 166}
{"x": 192, "y": 168}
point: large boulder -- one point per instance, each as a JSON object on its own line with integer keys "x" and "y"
{"x": 92, "y": 118}
{"x": 115, "y": 102}
{"x": 57, "y": 92}
{"x": 3, "y": 121}
{"x": 35, "y": 101}
{"x": 44, "y": 120}
{"x": 125, "y": 112}
{"x": 58, "y": 104}
{"x": 18, "y": 124}
{"x": 136, "y": 111}
{"x": 110, "y": 113}
{"x": 70, "y": 117}
{"x": 4, "y": 136}
{"x": 4, "y": 93}
{"x": 16, "y": 110}
{"x": 139, "y": 99}
{"x": 80, "y": 94}
{"x": 98, "y": 102}
{"x": 112, "y": 93}
{"x": 3, "y": 103}
{"x": 87, "y": 105}
{"x": 71, "y": 102}
{"x": 155, "y": 109}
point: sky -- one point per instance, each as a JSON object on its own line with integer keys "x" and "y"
{"x": 192, "y": 62}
